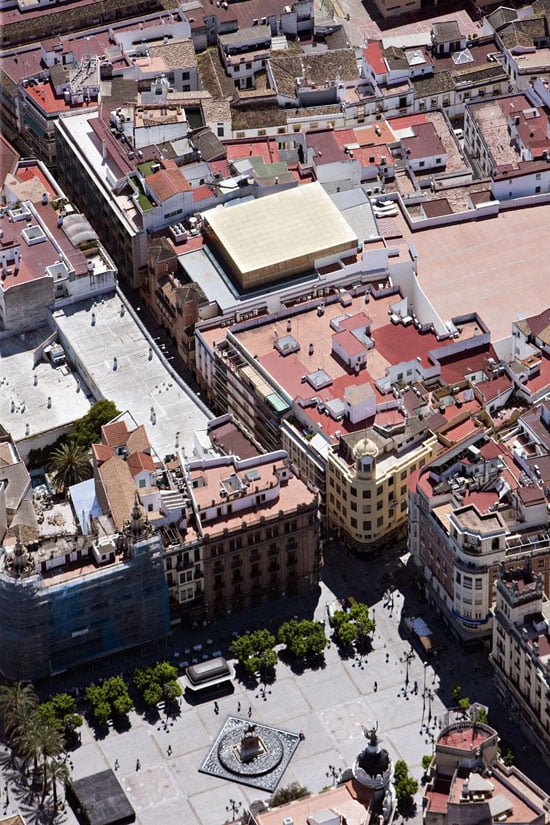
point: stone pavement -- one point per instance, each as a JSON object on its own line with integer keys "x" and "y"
{"x": 330, "y": 705}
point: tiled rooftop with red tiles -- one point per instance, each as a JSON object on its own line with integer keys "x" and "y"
{"x": 45, "y": 98}
{"x": 267, "y": 150}
{"x": 372, "y": 54}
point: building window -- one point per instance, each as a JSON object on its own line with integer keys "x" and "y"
{"x": 366, "y": 525}
{"x": 353, "y": 522}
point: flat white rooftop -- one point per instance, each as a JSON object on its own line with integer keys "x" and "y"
{"x": 293, "y": 224}
{"x": 22, "y": 403}
{"x": 141, "y": 385}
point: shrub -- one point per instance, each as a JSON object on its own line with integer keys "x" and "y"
{"x": 288, "y": 794}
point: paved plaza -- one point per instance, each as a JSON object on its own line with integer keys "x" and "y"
{"x": 331, "y": 706}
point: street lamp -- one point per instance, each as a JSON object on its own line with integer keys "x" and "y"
{"x": 234, "y": 808}
{"x": 333, "y": 773}
{"x": 408, "y": 657}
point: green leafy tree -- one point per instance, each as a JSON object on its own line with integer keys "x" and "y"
{"x": 255, "y": 651}
{"x": 365, "y": 626}
{"x": 157, "y": 683}
{"x": 456, "y": 692}
{"x": 464, "y": 703}
{"x": 288, "y": 794}
{"x": 344, "y": 630}
{"x": 69, "y": 464}
{"x": 405, "y": 785}
{"x": 87, "y": 430}
{"x": 17, "y": 702}
{"x": 111, "y": 698}
{"x": 354, "y": 625}
{"x": 426, "y": 761}
{"x": 507, "y": 755}
{"x": 61, "y": 708}
{"x": 304, "y": 639}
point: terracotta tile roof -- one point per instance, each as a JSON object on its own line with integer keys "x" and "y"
{"x": 177, "y": 54}
{"x": 115, "y": 434}
{"x": 166, "y": 183}
{"x": 101, "y": 453}
{"x": 138, "y": 440}
{"x": 117, "y": 482}
{"x": 140, "y": 461}
{"x": 536, "y": 325}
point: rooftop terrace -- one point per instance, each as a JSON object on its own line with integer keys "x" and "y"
{"x": 141, "y": 383}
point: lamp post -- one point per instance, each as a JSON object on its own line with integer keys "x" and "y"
{"x": 408, "y": 657}
{"x": 234, "y": 808}
{"x": 333, "y": 773}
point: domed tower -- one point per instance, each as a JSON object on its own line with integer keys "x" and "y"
{"x": 365, "y": 453}
{"x": 373, "y": 769}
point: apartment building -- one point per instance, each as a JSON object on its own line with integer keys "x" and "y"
{"x": 472, "y": 509}
{"x": 68, "y": 598}
{"x": 43, "y": 99}
{"x": 259, "y": 527}
{"x": 49, "y": 254}
{"x": 467, "y": 782}
{"x": 521, "y": 649}
{"x": 244, "y": 53}
{"x": 235, "y": 532}
{"x": 366, "y": 482}
{"x": 508, "y": 139}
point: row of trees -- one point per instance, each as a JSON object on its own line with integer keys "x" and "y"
{"x": 111, "y": 698}
{"x": 255, "y": 651}
{"x": 304, "y": 639}
{"x": 37, "y": 732}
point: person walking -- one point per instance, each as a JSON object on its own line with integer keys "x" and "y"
{"x": 138, "y": 764}
{"x": 117, "y": 765}
{"x": 216, "y": 708}
{"x": 169, "y": 750}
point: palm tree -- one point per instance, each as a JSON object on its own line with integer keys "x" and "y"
{"x": 47, "y": 741}
{"x": 57, "y": 772}
{"x": 69, "y": 464}
{"x": 17, "y": 704}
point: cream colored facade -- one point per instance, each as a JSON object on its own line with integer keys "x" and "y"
{"x": 521, "y": 651}
{"x": 367, "y": 486}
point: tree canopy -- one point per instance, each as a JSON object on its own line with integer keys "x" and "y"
{"x": 405, "y": 785}
{"x": 255, "y": 651}
{"x": 304, "y": 639}
{"x": 157, "y": 683}
{"x": 354, "y": 625}
{"x": 288, "y": 794}
{"x": 108, "y": 699}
